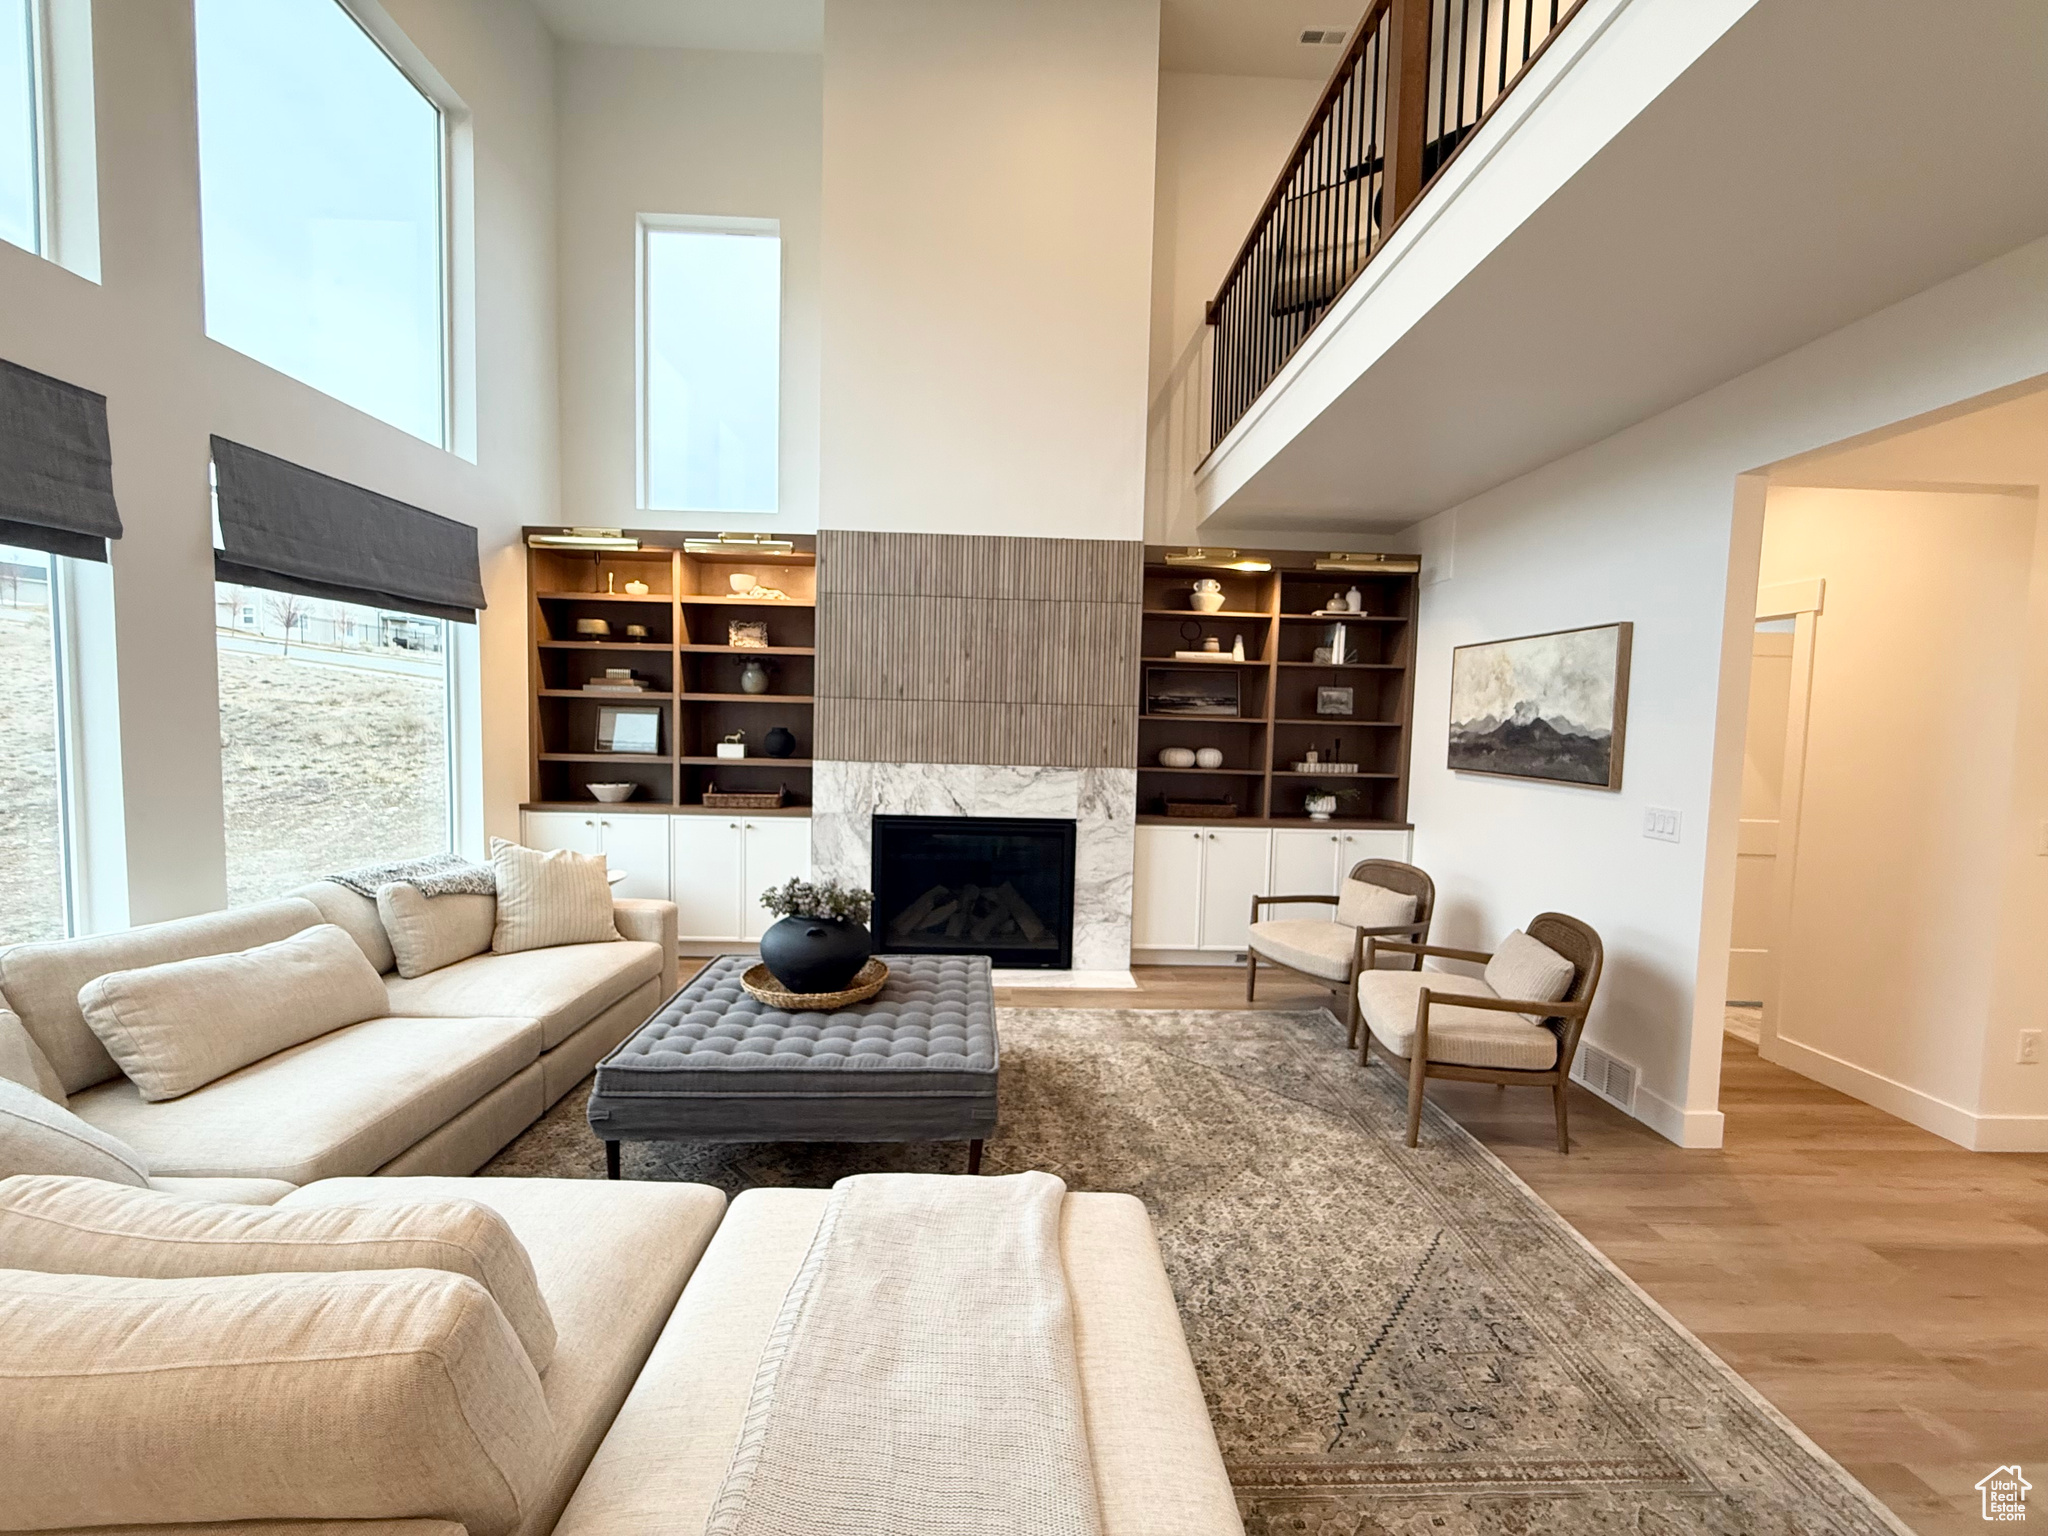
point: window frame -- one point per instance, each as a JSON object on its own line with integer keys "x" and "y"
{"x": 647, "y": 224}
{"x": 41, "y": 168}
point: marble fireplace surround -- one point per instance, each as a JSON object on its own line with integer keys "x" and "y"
{"x": 1102, "y": 802}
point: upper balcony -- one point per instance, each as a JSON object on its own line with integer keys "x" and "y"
{"x": 1514, "y": 227}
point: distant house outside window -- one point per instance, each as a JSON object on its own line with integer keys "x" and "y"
{"x": 710, "y": 364}
{"x": 334, "y": 724}
{"x": 20, "y": 137}
{"x": 320, "y": 182}
{"x": 33, "y": 900}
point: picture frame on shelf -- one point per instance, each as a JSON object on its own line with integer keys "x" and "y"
{"x": 747, "y": 634}
{"x": 634, "y": 730}
{"x": 1334, "y": 701}
{"x": 1193, "y": 691}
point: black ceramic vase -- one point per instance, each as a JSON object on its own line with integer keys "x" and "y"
{"x": 778, "y": 742}
{"x": 815, "y": 954}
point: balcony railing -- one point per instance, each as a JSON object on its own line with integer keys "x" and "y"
{"x": 1419, "y": 78}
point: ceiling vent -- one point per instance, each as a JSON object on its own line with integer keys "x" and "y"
{"x": 1324, "y": 37}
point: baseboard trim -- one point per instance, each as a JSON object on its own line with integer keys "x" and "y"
{"x": 1694, "y": 1129}
{"x": 1951, "y": 1122}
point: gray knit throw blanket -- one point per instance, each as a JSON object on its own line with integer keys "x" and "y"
{"x": 438, "y": 874}
{"x": 921, "y": 1376}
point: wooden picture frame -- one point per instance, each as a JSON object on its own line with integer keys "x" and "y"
{"x": 635, "y": 730}
{"x": 1550, "y": 708}
{"x": 1214, "y": 692}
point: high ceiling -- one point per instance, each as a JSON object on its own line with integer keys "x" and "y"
{"x": 1209, "y": 37}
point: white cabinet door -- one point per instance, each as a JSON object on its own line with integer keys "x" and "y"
{"x": 637, "y": 844}
{"x": 1234, "y": 868}
{"x": 1372, "y": 845}
{"x": 1304, "y": 864}
{"x": 1166, "y": 891}
{"x": 777, "y": 850}
{"x": 560, "y": 829}
{"x": 705, "y": 884}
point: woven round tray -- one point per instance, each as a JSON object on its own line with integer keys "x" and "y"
{"x": 867, "y": 981}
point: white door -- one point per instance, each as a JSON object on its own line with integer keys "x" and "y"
{"x": 549, "y": 830}
{"x": 1756, "y": 839}
{"x": 1304, "y": 864}
{"x": 777, "y": 849}
{"x": 1234, "y": 868}
{"x": 637, "y": 844}
{"x": 705, "y": 883}
{"x": 1166, "y": 888}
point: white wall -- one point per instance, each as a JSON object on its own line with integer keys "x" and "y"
{"x": 987, "y": 264}
{"x": 138, "y": 338}
{"x": 1889, "y": 947}
{"x": 649, "y": 130}
{"x": 1662, "y": 524}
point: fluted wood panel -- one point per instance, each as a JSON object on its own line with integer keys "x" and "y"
{"x": 947, "y": 648}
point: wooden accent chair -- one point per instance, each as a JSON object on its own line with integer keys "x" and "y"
{"x": 1335, "y": 954}
{"x": 1457, "y": 1026}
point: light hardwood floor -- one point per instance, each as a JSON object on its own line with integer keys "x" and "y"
{"x": 1887, "y": 1290}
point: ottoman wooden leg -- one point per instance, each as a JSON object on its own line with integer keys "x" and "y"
{"x": 611, "y": 1159}
{"x": 974, "y": 1155}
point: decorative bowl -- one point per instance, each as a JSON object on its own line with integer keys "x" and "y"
{"x": 741, "y": 583}
{"x": 1176, "y": 757}
{"x": 1206, "y": 602}
{"x": 593, "y": 627}
{"x": 612, "y": 794}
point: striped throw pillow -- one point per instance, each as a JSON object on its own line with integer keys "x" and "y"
{"x": 545, "y": 899}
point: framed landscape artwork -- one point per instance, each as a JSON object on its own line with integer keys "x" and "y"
{"x": 1551, "y": 707}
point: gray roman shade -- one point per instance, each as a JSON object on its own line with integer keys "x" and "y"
{"x": 289, "y": 529}
{"x": 56, "y": 467}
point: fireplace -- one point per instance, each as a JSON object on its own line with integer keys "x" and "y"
{"x": 1001, "y": 886}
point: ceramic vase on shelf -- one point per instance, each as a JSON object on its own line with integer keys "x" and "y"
{"x": 778, "y": 742}
{"x": 1208, "y": 596}
{"x": 1209, "y": 757}
{"x": 1176, "y": 757}
{"x": 1321, "y": 807}
{"x": 753, "y": 678}
{"x": 815, "y": 954}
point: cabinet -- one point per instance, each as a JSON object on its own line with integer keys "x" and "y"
{"x": 1235, "y": 861}
{"x": 724, "y": 863}
{"x": 772, "y": 852}
{"x": 1193, "y": 885}
{"x": 636, "y": 844}
{"x": 1304, "y": 864}
{"x": 1166, "y": 887}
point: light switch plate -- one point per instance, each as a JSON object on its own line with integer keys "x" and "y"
{"x": 2030, "y": 1048}
{"x": 1661, "y": 823}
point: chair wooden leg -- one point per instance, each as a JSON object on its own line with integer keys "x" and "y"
{"x": 1564, "y": 1135}
{"x": 1350, "y": 1014}
{"x": 1251, "y": 974}
{"x": 1364, "y": 1045}
{"x": 1418, "y": 1069}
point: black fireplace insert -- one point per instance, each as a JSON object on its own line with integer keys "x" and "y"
{"x": 1001, "y": 886}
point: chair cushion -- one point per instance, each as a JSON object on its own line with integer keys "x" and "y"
{"x": 1466, "y": 1037}
{"x": 1306, "y": 943}
{"x": 1523, "y": 967}
{"x": 611, "y": 1260}
{"x": 180, "y": 1026}
{"x": 428, "y": 932}
{"x": 41, "y": 981}
{"x": 87, "y": 1227}
{"x": 363, "y": 1395}
{"x": 1365, "y": 905}
{"x": 22, "y": 1060}
{"x": 356, "y": 915}
{"x": 346, "y": 1103}
{"x": 564, "y": 987}
{"x": 37, "y": 1136}
{"x": 549, "y": 898}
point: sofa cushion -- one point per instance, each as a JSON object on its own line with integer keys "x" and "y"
{"x": 365, "y": 1395}
{"x": 354, "y": 914}
{"x": 564, "y": 987}
{"x": 428, "y": 932}
{"x": 86, "y": 1227}
{"x": 1365, "y": 905}
{"x": 37, "y": 1136}
{"x": 22, "y": 1060}
{"x": 1469, "y": 1037}
{"x": 611, "y": 1260}
{"x": 41, "y": 981}
{"x": 227, "y": 1191}
{"x": 549, "y": 898}
{"x": 179, "y": 1026}
{"x": 346, "y": 1103}
{"x": 1526, "y": 968}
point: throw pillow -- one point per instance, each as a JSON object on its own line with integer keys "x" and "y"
{"x": 37, "y": 1136}
{"x": 545, "y": 899}
{"x": 173, "y": 1028}
{"x": 76, "y": 1226}
{"x": 372, "y": 1395}
{"x": 1528, "y": 969}
{"x": 428, "y": 932}
{"x": 22, "y": 1060}
{"x": 1364, "y": 905}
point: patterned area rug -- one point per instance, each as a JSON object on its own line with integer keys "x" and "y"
{"x": 1393, "y": 1342}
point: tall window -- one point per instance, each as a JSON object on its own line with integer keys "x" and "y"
{"x": 20, "y": 142}
{"x": 32, "y": 875}
{"x": 321, "y": 207}
{"x": 334, "y": 737}
{"x": 710, "y": 348}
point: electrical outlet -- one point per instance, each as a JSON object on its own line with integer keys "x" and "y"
{"x": 1661, "y": 823}
{"x": 2030, "y": 1048}
{"x": 2041, "y": 839}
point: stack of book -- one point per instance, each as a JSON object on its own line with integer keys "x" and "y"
{"x": 616, "y": 680}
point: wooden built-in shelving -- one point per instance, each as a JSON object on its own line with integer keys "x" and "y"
{"x": 1272, "y": 611}
{"x": 691, "y": 668}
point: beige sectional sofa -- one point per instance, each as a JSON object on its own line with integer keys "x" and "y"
{"x": 468, "y": 1057}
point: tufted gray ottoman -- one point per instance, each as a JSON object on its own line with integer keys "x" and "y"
{"x": 916, "y": 1062}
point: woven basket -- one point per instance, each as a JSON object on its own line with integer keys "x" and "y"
{"x": 869, "y": 980}
{"x": 1202, "y": 810}
{"x": 742, "y": 800}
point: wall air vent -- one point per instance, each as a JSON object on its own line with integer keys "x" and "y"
{"x": 1324, "y": 37}
{"x": 1612, "y": 1079}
